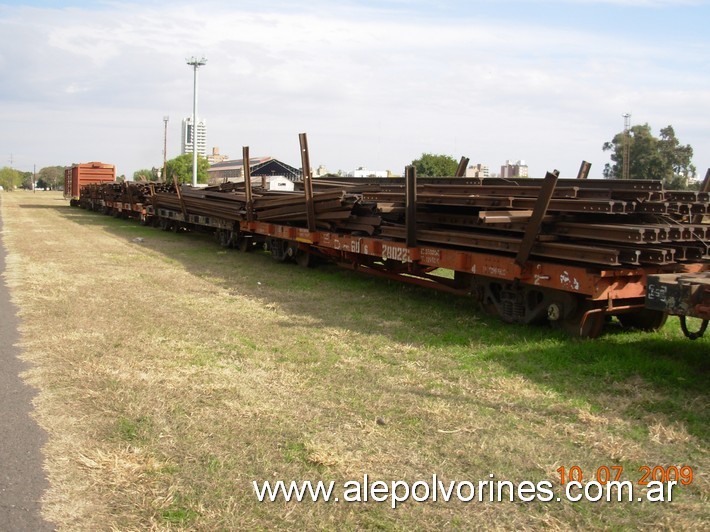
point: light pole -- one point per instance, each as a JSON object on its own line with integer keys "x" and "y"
{"x": 626, "y": 163}
{"x": 195, "y": 63}
{"x": 165, "y": 146}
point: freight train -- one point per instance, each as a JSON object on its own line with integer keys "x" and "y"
{"x": 569, "y": 252}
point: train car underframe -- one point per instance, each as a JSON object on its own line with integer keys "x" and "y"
{"x": 576, "y": 298}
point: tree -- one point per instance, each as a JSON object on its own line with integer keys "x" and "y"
{"x": 181, "y": 166}
{"x": 10, "y": 178}
{"x": 431, "y": 165}
{"x": 147, "y": 175}
{"x": 27, "y": 179}
{"x": 52, "y": 176}
{"x": 663, "y": 159}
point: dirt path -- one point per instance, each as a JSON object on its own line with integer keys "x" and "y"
{"x": 22, "y": 480}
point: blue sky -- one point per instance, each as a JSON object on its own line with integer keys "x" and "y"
{"x": 374, "y": 84}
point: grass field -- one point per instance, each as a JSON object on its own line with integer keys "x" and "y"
{"x": 172, "y": 374}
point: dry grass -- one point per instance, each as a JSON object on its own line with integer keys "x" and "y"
{"x": 172, "y": 374}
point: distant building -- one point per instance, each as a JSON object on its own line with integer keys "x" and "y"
{"x": 233, "y": 170}
{"x": 277, "y": 182}
{"x": 216, "y": 157}
{"x": 320, "y": 171}
{"x": 514, "y": 169}
{"x": 201, "y": 136}
{"x": 477, "y": 170}
{"x": 361, "y": 171}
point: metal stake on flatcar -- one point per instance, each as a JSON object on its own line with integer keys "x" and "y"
{"x": 584, "y": 170}
{"x": 246, "y": 164}
{"x": 307, "y": 183}
{"x": 410, "y": 185}
{"x": 538, "y": 213}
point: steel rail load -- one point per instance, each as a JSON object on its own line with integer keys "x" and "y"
{"x": 571, "y": 252}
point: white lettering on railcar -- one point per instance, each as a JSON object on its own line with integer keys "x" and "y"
{"x": 395, "y": 253}
{"x": 495, "y": 270}
{"x": 430, "y": 256}
{"x": 569, "y": 282}
{"x": 539, "y": 278}
{"x": 659, "y": 293}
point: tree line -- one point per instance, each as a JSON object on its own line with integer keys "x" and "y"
{"x": 180, "y": 167}
{"x": 49, "y": 178}
{"x": 661, "y": 158}
{"x": 52, "y": 177}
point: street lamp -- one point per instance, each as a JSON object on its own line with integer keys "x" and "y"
{"x": 195, "y": 63}
{"x": 626, "y": 162}
{"x": 165, "y": 146}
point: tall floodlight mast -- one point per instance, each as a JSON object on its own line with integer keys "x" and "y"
{"x": 165, "y": 147}
{"x": 626, "y": 148}
{"x": 195, "y": 63}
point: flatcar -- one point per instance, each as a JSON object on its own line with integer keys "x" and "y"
{"x": 569, "y": 252}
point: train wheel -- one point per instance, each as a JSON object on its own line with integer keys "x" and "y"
{"x": 279, "y": 249}
{"x": 245, "y": 244}
{"x": 643, "y": 319}
{"x": 305, "y": 259}
{"x": 585, "y": 322}
{"x": 225, "y": 238}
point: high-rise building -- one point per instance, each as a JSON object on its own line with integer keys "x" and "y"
{"x": 514, "y": 169}
{"x": 201, "y": 136}
{"x": 477, "y": 170}
{"x": 216, "y": 157}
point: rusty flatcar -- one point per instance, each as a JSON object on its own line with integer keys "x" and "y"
{"x": 571, "y": 252}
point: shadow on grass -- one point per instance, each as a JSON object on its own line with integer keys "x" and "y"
{"x": 47, "y": 207}
{"x": 673, "y": 371}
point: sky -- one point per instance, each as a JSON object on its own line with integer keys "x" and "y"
{"x": 374, "y": 84}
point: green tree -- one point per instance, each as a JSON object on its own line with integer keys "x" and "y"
{"x": 147, "y": 175}
{"x": 181, "y": 166}
{"x": 27, "y": 178}
{"x": 10, "y": 178}
{"x": 431, "y": 165}
{"x": 662, "y": 158}
{"x": 52, "y": 176}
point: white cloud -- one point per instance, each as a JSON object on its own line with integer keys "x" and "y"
{"x": 371, "y": 86}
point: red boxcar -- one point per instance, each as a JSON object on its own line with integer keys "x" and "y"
{"x": 79, "y": 175}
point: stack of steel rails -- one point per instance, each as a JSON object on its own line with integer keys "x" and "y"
{"x": 601, "y": 222}
{"x": 609, "y": 222}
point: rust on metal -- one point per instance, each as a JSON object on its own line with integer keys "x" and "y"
{"x": 463, "y": 165}
{"x": 570, "y": 250}
{"x": 705, "y": 188}
{"x": 307, "y": 183}
{"x": 246, "y": 164}
{"x": 411, "y": 206}
{"x": 584, "y": 170}
{"x": 538, "y": 213}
